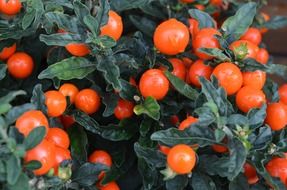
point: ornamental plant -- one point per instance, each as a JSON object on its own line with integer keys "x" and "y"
{"x": 140, "y": 94}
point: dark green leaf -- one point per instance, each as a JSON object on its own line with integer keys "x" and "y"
{"x": 239, "y": 183}
{"x": 128, "y": 4}
{"x": 234, "y": 27}
{"x": 151, "y": 156}
{"x": 143, "y": 24}
{"x": 276, "y": 22}
{"x": 34, "y": 137}
{"x": 149, "y": 107}
{"x": 111, "y": 102}
{"x": 271, "y": 90}
{"x": 33, "y": 165}
{"x": 3, "y": 68}
{"x": 257, "y": 117}
{"x": 128, "y": 91}
{"x": 88, "y": 173}
{"x": 111, "y": 72}
{"x": 22, "y": 183}
{"x": 204, "y": 19}
{"x": 201, "y": 181}
{"x": 67, "y": 69}
{"x": 17, "y": 111}
{"x": 63, "y": 21}
{"x": 28, "y": 18}
{"x": 81, "y": 10}
{"x": 60, "y": 39}
{"x": 79, "y": 142}
{"x": 102, "y": 15}
{"x": 38, "y": 98}
{"x": 201, "y": 135}
{"x": 182, "y": 87}
{"x": 149, "y": 174}
{"x": 86, "y": 121}
{"x": 177, "y": 183}
{"x": 11, "y": 96}
{"x": 262, "y": 139}
{"x": 13, "y": 169}
{"x": 278, "y": 69}
{"x": 215, "y": 52}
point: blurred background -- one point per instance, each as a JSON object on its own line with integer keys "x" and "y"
{"x": 276, "y": 40}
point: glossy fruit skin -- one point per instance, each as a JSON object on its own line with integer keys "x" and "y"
{"x": 154, "y": 79}
{"x": 229, "y": 77}
{"x": 199, "y": 69}
{"x": 124, "y": 109}
{"x": 216, "y": 2}
{"x": 255, "y": 79}
{"x": 187, "y": 1}
{"x": 78, "y": 49}
{"x": 30, "y": 120}
{"x": 61, "y": 154}
{"x": 250, "y": 173}
{"x": 252, "y": 35}
{"x": 20, "y": 65}
{"x": 67, "y": 121}
{"x": 110, "y": 186}
{"x": 70, "y": 90}
{"x": 219, "y": 148}
{"x": 56, "y": 103}
{"x": 10, "y": 7}
{"x": 283, "y": 93}
{"x": 7, "y": 52}
{"x": 276, "y": 116}
{"x": 88, "y": 101}
{"x": 262, "y": 56}
{"x": 277, "y": 167}
{"x": 181, "y": 159}
{"x": 252, "y": 49}
{"x": 205, "y": 38}
{"x": 59, "y": 137}
{"x": 171, "y": 37}
{"x": 164, "y": 149}
{"x": 114, "y": 27}
{"x": 44, "y": 153}
{"x": 199, "y": 7}
{"x": 102, "y": 157}
{"x": 178, "y": 68}
{"x": 193, "y": 27}
{"x": 248, "y": 98}
{"x": 187, "y": 122}
{"x": 174, "y": 119}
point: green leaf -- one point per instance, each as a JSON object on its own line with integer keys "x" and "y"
{"x": 81, "y": 10}
{"x": 215, "y": 52}
{"x": 278, "y": 69}
{"x": 28, "y": 18}
{"x": 35, "y": 137}
{"x": 216, "y": 95}
{"x": 88, "y": 173}
{"x": 201, "y": 135}
{"x": 4, "y": 108}
{"x": 86, "y": 121}
{"x": 149, "y": 174}
{"x": 204, "y": 19}
{"x": 38, "y": 98}
{"x": 92, "y": 24}
{"x": 271, "y": 90}
{"x": 33, "y": 165}
{"x": 17, "y": 111}
{"x": 128, "y": 91}
{"x": 11, "y": 96}
{"x": 67, "y": 69}
{"x": 63, "y": 21}
{"x": 152, "y": 156}
{"x": 60, "y": 39}
{"x": 149, "y": 107}
{"x": 128, "y": 4}
{"x": 257, "y": 117}
{"x": 177, "y": 183}
{"x": 276, "y": 22}
{"x": 102, "y": 15}
{"x": 13, "y": 169}
{"x": 182, "y": 87}
{"x": 22, "y": 183}
{"x": 145, "y": 25}
{"x": 107, "y": 65}
{"x": 105, "y": 42}
{"x": 79, "y": 142}
{"x": 125, "y": 130}
{"x": 234, "y": 27}
{"x": 111, "y": 102}
{"x": 200, "y": 180}
{"x": 262, "y": 139}
{"x": 3, "y": 68}
{"x": 239, "y": 183}
{"x": 253, "y": 65}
